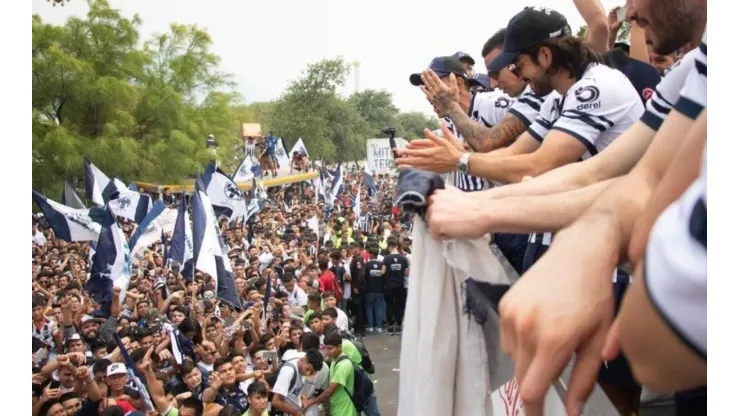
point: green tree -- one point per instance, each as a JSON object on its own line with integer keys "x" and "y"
{"x": 331, "y": 127}
{"x": 376, "y": 107}
{"x": 414, "y": 123}
{"x": 138, "y": 112}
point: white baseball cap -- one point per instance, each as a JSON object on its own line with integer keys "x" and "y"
{"x": 116, "y": 368}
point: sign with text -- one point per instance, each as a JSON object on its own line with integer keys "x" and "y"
{"x": 379, "y": 155}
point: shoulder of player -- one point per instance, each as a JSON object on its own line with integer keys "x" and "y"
{"x": 495, "y": 98}
{"x": 601, "y": 86}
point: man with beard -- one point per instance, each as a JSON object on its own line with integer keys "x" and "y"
{"x": 556, "y": 198}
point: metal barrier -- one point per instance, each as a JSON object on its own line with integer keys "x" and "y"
{"x": 506, "y": 399}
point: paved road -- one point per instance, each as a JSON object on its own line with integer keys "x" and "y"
{"x": 385, "y": 350}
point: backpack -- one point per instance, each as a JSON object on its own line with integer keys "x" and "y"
{"x": 273, "y": 377}
{"x": 367, "y": 362}
{"x": 363, "y": 387}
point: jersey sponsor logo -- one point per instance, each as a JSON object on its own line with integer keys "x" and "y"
{"x": 647, "y": 93}
{"x": 587, "y": 94}
{"x": 589, "y": 97}
{"x": 503, "y": 102}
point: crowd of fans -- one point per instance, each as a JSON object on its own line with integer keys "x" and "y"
{"x": 600, "y": 142}
{"x": 293, "y": 352}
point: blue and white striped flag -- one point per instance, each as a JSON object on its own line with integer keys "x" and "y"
{"x": 70, "y": 197}
{"x": 133, "y": 374}
{"x": 111, "y": 266}
{"x": 247, "y": 170}
{"x": 181, "y": 247}
{"x": 70, "y": 224}
{"x": 130, "y": 204}
{"x": 209, "y": 250}
{"x": 225, "y": 195}
{"x": 95, "y": 183}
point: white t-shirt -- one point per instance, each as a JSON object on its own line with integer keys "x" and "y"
{"x": 342, "y": 320}
{"x": 298, "y": 297}
{"x": 291, "y": 394}
{"x": 668, "y": 91}
{"x": 676, "y": 265}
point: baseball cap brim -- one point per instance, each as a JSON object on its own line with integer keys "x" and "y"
{"x": 503, "y": 60}
{"x": 417, "y": 81}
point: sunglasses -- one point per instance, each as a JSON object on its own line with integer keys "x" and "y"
{"x": 514, "y": 68}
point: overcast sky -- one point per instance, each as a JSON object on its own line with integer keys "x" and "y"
{"x": 265, "y": 44}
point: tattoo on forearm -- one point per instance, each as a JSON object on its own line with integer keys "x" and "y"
{"x": 484, "y": 139}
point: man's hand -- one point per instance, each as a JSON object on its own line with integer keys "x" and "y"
{"x": 82, "y": 373}
{"x": 441, "y": 157}
{"x": 452, "y": 214}
{"x": 563, "y": 304}
{"x": 63, "y": 360}
{"x": 214, "y": 380}
{"x": 116, "y": 292}
{"x": 440, "y": 95}
{"x": 50, "y": 394}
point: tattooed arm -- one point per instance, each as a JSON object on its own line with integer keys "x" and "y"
{"x": 484, "y": 139}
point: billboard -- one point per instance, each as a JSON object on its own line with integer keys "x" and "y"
{"x": 379, "y": 158}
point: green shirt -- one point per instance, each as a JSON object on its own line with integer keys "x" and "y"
{"x": 349, "y": 349}
{"x": 343, "y": 374}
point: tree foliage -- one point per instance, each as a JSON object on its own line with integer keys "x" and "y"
{"x": 138, "y": 112}
{"x": 141, "y": 109}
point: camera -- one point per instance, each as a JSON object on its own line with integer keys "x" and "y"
{"x": 389, "y": 130}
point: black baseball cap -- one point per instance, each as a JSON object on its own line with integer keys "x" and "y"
{"x": 462, "y": 57}
{"x": 442, "y": 66}
{"x": 529, "y": 28}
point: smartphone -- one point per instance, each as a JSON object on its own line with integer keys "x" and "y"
{"x": 621, "y": 13}
{"x": 55, "y": 384}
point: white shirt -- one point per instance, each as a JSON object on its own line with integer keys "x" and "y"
{"x": 39, "y": 238}
{"x": 298, "y": 297}
{"x": 342, "y": 321}
{"x": 283, "y": 387}
{"x": 676, "y": 265}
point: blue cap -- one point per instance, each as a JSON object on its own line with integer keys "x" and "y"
{"x": 442, "y": 66}
{"x": 462, "y": 56}
{"x": 480, "y": 80}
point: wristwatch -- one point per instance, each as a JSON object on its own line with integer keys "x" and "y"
{"x": 463, "y": 165}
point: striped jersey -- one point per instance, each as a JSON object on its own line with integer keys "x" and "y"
{"x": 676, "y": 264}
{"x": 694, "y": 92}
{"x": 595, "y": 110}
{"x": 487, "y": 108}
{"x": 527, "y": 106}
{"x": 668, "y": 91}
